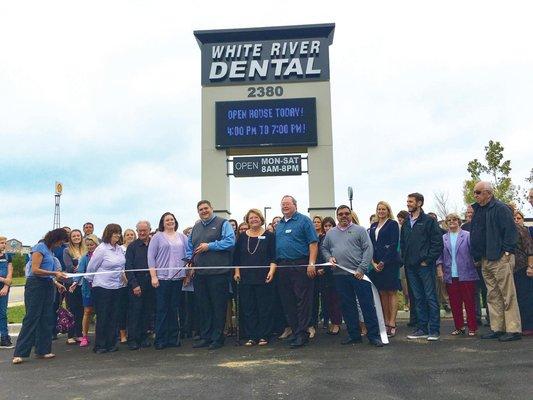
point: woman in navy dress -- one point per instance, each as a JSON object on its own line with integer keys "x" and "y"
{"x": 385, "y": 236}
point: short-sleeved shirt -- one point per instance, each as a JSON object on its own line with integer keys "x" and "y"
{"x": 294, "y": 236}
{"x": 47, "y": 263}
{"x": 5, "y": 259}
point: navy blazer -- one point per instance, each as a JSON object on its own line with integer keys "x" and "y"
{"x": 386, "y": 247}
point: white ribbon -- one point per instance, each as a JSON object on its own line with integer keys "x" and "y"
{"x": 375, "y": 293}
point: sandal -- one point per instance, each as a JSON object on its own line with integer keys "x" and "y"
{"x": 392, "y": 331}
{"x": 458, "y": 332}
{"x": 17, "y": 360}
{"x": 334, "y": 332}
{"x": 250, "y": 343}
{"x": 262, "y": 342}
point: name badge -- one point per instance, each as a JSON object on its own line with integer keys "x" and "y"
{"x": 261, "y": 237}
{"x": 288, "y": 231}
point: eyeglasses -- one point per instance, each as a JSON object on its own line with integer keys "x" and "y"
{"x": 342, "y": 214}
{"x": 478, "y": 191}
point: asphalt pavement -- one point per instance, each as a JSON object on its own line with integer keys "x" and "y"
{"x": 453, "y": 368}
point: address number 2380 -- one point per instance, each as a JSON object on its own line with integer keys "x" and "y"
{"x": 265, "y": 91}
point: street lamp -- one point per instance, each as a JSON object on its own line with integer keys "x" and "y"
{"x": 265, "y": 214}
{"x": 350, "y": 196}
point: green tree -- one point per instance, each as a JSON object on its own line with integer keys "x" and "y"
{"x": 18, "y": 262}
{"x": 496, "y": 171}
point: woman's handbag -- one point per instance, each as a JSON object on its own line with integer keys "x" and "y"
{"x": 65, "y": 319}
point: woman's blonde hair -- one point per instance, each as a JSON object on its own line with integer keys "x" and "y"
{"x": 256, "y": 212}
{"x": 92, "y": 238}
{"x": 452, "y": 216}
{"x": 355, "y": 218}
{"x": 387, "y": 206}
{"x": 519, "y": 213}
{"x": 76, "y": 251}
{"x": 129, "y": 230}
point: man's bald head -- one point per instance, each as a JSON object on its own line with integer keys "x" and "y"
{"x": 483, "y": 192}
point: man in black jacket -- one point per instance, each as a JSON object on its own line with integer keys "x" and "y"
{"x": 421, "y": 245}
{"x": 493, "y": 239}
{"x": 140, "y": 291}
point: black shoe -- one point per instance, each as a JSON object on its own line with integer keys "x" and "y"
{"x": 510, "y": 337}
{"x": 176, "y": 344}
{"x": 5, "y": 343}
{"x": 201, "y": 343}
{"x": 159, "y": 346}
{"x": 291, "y": 338}
{"x": 300, "y": 341}
{"x": 133, "y": 346}
{"x": 215, "y": 346}
{"x": 375, "y": 342}
{"x": 100, "y": 351}
{"x": 146, "y": 343}
{"x": 492, "y": 335}
{"x": 351, "y": 341}
{"x": 447, "y": 308}
{"x": 112, "y": 349}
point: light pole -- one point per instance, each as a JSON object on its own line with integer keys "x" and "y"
{"x": 350, "y": 196}
{"x": 265, "y": 214}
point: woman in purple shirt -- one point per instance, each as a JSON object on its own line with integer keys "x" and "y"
{"x": 456, "y": 267}
{"x": 107, "y": 258}
{"x": 166, "y": 252}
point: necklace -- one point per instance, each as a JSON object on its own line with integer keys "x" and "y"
{"x": 256, "y": 246}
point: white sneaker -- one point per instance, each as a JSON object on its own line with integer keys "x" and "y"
{"x": 418, "y": 334}
{"x": 433, "y": 337}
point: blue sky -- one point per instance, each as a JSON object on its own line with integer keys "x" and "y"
{"x": 105, "y": 97}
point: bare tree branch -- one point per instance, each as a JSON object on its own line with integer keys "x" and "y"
{"x": 441, "y": 204}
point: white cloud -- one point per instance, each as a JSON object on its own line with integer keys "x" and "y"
{"x": 106, "y": 97}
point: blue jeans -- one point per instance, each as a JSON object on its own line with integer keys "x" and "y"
{"x": 3, "y": 314}
{"x": 168, "y": 296}
{"x": 350, "y": 290}
{"x": 422, "y": 281}
{"x": 37, "y": 324}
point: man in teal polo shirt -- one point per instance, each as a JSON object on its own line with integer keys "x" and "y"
{"x": 296, "y": 244}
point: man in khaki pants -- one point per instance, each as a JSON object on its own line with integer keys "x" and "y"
{"x": 493, "y": 239}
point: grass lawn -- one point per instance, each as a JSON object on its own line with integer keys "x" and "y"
{"x": 15, "y": 314}
{"x": 20, "y": 281}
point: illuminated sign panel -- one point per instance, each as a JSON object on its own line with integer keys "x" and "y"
{"x": 260, "y": 123}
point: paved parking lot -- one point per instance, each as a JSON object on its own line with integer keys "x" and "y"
{"x": 453, "y": 368}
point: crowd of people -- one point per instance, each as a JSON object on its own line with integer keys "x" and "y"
{"x": 258, "y": 281}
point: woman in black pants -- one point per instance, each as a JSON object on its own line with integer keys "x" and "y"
{"x": 39, "y": 299}
{"x": 71, "y": 256}
{"x": 256, "y": 247}
{"x": 106, "y": 288}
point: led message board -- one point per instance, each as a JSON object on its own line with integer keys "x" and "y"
{"x": 260, "y": 123}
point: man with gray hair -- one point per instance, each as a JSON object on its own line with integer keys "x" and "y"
{"x": 493, "y": 238}
{"x": 140, "y": 291}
